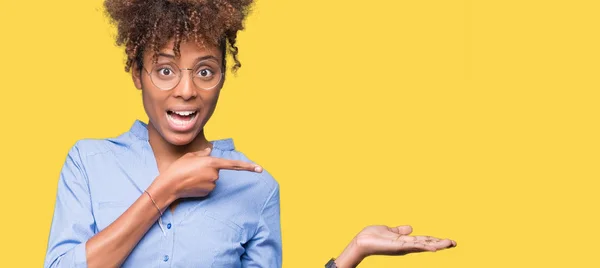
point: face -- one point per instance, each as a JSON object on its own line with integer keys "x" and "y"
{"x": 179, "y": 109}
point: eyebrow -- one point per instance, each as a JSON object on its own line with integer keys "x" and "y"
{"x": 171, "y": 56}
{"x": 166, "y": 55}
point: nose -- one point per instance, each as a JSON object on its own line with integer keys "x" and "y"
{"x": 185, "y": 89}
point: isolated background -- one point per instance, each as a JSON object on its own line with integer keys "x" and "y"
{"x": 473, "y": 120}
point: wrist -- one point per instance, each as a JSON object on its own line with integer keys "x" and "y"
{"x": 162, "y": 193}
{"x": 350, "y": 257}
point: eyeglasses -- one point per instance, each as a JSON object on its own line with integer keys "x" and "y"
{"x": 206, "y": 75}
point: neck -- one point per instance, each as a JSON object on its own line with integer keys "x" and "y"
{"x": 167, "y": 152}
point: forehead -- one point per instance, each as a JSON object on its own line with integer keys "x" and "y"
{"x": 189, "y": 52}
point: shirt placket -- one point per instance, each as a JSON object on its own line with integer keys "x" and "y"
{"x": 166, "y": 226}
{"x": 167, "y": 240}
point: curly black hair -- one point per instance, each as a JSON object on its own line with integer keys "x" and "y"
{"x": 150, "y": 24}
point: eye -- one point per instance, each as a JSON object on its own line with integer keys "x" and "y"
{"x": 165, "y": 71}
{"x": 205, "y": 73}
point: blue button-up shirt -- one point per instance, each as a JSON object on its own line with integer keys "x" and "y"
{"x": 237, "y": 225}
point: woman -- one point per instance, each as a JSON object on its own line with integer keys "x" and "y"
{"x": 161, "y": 194}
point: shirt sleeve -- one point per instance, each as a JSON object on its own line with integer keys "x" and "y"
{"x": 264, "y": 249}
{"x": 72, "y": 223}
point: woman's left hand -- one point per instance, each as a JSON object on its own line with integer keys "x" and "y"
{"x": 384, "y": 240}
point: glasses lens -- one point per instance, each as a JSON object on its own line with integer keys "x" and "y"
{"x": 165, "y": 76}
{"x": 207, "y": 74}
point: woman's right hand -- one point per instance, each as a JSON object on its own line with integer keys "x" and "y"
{"x": 195, "y": 174}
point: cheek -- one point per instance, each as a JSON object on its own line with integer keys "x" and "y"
{"x": 147, "y": 101}
{"x": 151, "y": 105}
{"x": 210, "y": 103}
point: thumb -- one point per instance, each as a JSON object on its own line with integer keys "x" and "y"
{"x": 403, "y": 229}
{"x": 205, "y": 152}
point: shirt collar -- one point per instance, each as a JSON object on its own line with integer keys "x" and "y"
{"x": 140, "y": 130}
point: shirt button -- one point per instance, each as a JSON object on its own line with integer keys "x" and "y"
{"x": 166, "y": 258}
{"x": 169, "y": 226}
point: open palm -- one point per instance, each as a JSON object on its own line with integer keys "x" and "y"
{"x": 384, "y": 240}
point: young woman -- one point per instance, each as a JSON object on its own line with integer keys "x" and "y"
{"x": 161, "y": 194}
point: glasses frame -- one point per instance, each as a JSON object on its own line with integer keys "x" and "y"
{"x": 180, "y": 76}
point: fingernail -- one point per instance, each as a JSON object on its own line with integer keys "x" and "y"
{"x": 258, "y": 169}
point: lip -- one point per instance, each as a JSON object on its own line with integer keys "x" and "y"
{"x": 179, "y": 125}
{"x": 183, "y": 109}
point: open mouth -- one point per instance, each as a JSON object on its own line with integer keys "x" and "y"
{"x": 182, "y": 119}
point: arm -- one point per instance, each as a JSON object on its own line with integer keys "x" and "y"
{"x": 73, "y": 242}
{"x": 264, "y": 249}
{"x": 119, "y": 238}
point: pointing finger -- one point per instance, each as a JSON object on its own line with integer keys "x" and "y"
{"x": 235, "y": 165}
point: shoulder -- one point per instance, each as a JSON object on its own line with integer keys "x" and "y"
{"x": 123, "y": 142}
{"x": 265, "y": 177}
{"x": 89, "y": 147}
{"x": 225, "y": 149}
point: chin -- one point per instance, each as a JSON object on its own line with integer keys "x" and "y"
{"x": 180, "y": 139}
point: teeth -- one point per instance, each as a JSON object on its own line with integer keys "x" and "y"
{"x": 184, "y": 113}
{"x": 179, "y": 122}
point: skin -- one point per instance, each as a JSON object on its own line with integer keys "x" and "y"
{"x": 391, "y": 241}
{"x": 184, "y": 164}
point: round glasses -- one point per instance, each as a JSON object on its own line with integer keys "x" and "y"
{"x": 205, "y": 75}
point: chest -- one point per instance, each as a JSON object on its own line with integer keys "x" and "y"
{"x": 200, "y": 232}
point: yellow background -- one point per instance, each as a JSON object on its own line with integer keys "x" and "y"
{"x": 473, "y": 120}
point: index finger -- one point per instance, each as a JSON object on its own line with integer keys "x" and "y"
{"x": 220, "y": 163}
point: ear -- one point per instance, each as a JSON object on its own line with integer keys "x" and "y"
{"x": 136, "y": 73}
